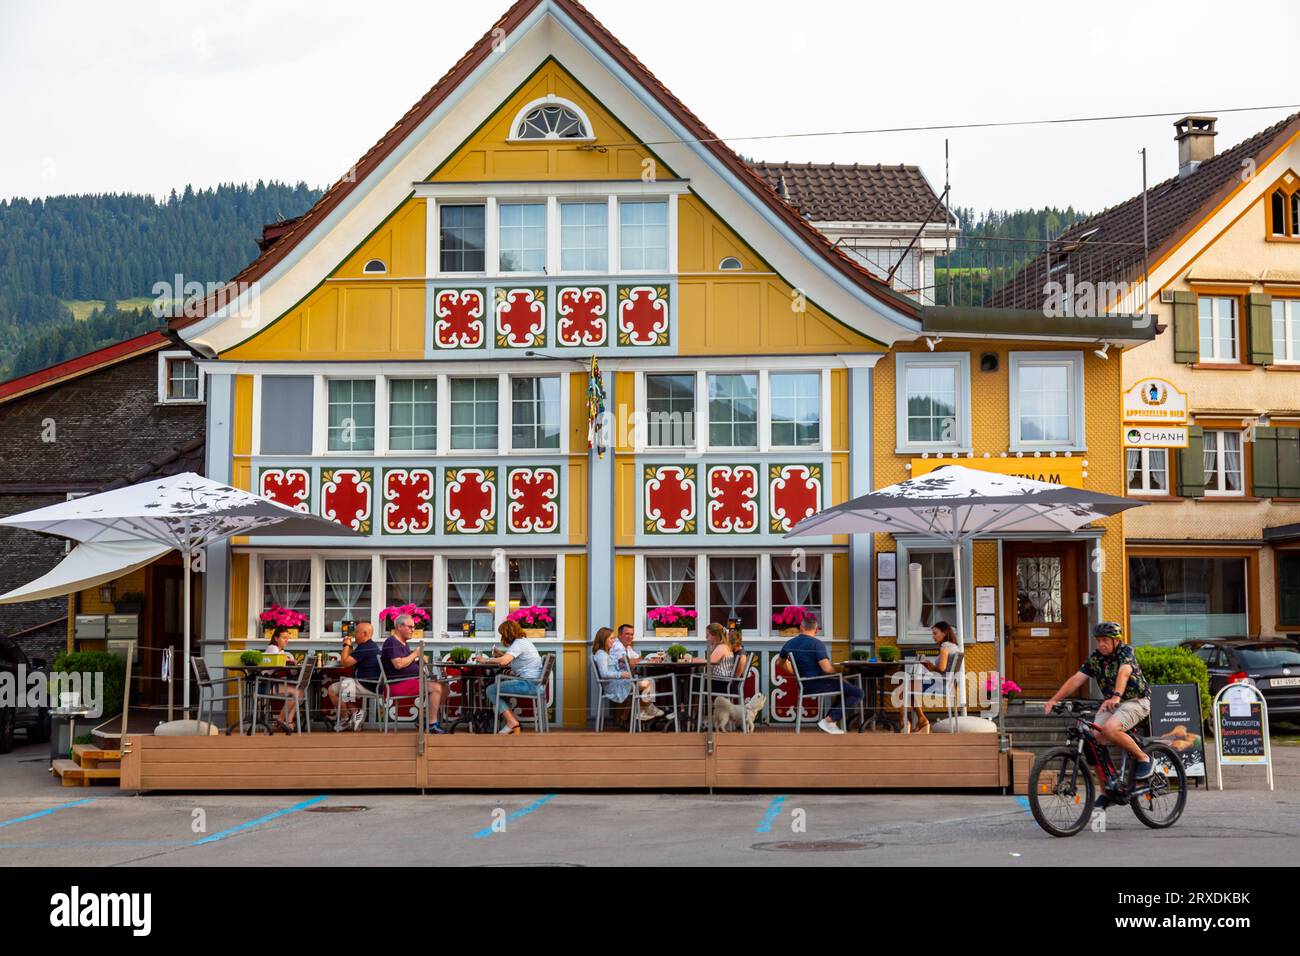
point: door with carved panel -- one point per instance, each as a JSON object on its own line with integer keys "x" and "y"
{"x": 1043, "y": 596}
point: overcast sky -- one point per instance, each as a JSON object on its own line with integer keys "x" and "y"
{"x": 144, "y": 96}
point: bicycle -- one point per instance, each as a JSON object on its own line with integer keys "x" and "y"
{"x": 1061, "y": 786}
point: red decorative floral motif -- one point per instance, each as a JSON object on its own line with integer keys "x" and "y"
{"x": 471, "y": 497}
{"x": 532, "y": 506}
{"x": 345, "y": 497}
{"x": 732, "y": 498}
{"x": 458, "y": 319}
{"x": 582, "y": 316}
{"x": 670, "y": 499}
{"x": 408, "y": 501}
{"x": 784, "y": 692}
{"x": 290, "y": 487}
{"x": 521, "y": 318}
{"x": 642, "y": 315}
{"x": 795, "y": 493}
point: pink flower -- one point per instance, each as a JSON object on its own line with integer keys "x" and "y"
{"x": 670, "y": 615}
{"x": 792, "y": 616}
{"x": 531, "y": 617}
{"x": 418, "y": 614}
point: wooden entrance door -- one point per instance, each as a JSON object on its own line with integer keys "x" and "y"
{"x": 1043, "y": 595}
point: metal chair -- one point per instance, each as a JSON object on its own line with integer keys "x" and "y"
{"x": 541, "y": 722}
{"x": 601, "y": 683}
{"x": 211, "y": 692}
{"x": 370, "y": 699}
{"x": 951, "y": 678}
{"x": 296, "y": 696}
{"x": 837, "y": 679}
{"x": 730, "y": 688}
{"x": 635, "y": 719}
{"x": 388, "y": 701}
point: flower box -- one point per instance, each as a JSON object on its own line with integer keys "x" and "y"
{"x": 535, "y": 633}
{"x": 671, "y": 632}
{"x": 789, "y": 632}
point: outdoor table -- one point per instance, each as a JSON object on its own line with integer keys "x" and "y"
{"x": 680, "y": 671}
{"x": 871, "y": 676}
{"x": 248, "y": 674}
{"x": 474, "y": 678}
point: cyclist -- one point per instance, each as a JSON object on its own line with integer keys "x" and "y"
{"x": 1128, "y": 695}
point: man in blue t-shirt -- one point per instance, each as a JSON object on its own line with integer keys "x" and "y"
{"x": 813, "y": 662}
{"x": 363, "y": 657}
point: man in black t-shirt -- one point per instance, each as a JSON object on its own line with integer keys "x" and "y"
{"x": 363, "y": 657}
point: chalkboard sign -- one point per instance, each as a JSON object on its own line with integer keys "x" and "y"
{"x": 1241, "y": 738}
{"x": 1176, "y": 721}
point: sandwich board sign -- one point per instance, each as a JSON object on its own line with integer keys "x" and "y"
{"x": 1241, "y": 729}
{"x": 1176, "y": 721}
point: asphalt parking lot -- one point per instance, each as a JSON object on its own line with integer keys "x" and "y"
{"x": 43, "y": 824}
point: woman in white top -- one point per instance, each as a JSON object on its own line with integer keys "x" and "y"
{"x": 945, "y": 636}
{"x": 525, "y": 666}
{"x": 279, "y": 640}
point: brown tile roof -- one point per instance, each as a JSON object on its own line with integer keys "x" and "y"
{"x": 830, "y": 192}
{"x": 1174, "y": 207}
{"x": 511, "y": 19}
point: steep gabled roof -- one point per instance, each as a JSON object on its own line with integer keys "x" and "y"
{"x": 298, "y": 230}
{"x": 831, "y": 192}
{"x": 1175, "y": 208}
{"x": 82, "y": 365}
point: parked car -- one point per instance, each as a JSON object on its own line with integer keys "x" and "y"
{"x": 1272, "y": 663}
{"x": 14, "y": 712}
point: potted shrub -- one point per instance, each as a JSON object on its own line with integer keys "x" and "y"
{"x": 672, "y": 621}
{"x": 90, "y": 663}
{"x": 887, "y": 653}
{"x": 860, "y": 655}
{"x": 459, "y": 655}
{"x": 678, "y": 651}
{"x": 251, "y": 658}
{"x": 276, "y": 616}
{"x": 419, "y": 617}
{"x": 788, "y": 620}
{"x": 534, "y": 620}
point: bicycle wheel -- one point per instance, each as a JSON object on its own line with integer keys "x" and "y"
{"x": 1061, "y": 792}
{"x": 1160, "y": 802}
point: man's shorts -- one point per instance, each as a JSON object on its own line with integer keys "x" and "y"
{"x": 1129, "y": 713}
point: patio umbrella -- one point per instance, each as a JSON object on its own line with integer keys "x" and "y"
{"x": 958, "y": 503}
{"x": 185, "y": 512}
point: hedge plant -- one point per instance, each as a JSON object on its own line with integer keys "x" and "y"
{"x": 1175, "y": 665}
{"x": 89, "y": 663}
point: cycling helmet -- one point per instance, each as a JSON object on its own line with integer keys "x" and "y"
{"x": 1108, "y": 629}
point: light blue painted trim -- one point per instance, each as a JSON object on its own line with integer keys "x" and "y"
{"x": 1078, "y": 436}
{"x": 602, "y": 491}
{"x": 216, "y": 577}
{"x": 642, "y": 95}
{"x": 861, "y": 546}
{"x": 221, "y": 416}
{"x": 356, "y": 196}
{"x": 903, "y": 361}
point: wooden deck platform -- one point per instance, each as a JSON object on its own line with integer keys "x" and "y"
{"x": 566, "y": 761}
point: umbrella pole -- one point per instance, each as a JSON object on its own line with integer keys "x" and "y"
{"x": 961, "y": 624}
{"x": 185, "y": 660}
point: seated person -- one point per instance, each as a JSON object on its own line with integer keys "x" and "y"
{"x": 402, "y": 669}
{"x": 624, "y": 655}
{"x": 945, "y": 636}
{"x": 363, "y": 657}
{"x": 289, "y": 712}
{"x": 619, "y": 686}
{"x": 810, "y": 656}
{"x": 524, "y": 663}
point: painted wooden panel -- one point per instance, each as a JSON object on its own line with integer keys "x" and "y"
{"x": 399, "y": 243}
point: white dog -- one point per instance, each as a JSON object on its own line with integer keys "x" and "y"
{"x": 728, "y": 715}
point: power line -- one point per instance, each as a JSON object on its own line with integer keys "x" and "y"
{"x": 955, "y": 126}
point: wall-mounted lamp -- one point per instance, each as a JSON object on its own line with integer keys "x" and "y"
{"x": 932, "y": 342}
{"x": 1101, "y": 352}
{"x": 106, "y": 593}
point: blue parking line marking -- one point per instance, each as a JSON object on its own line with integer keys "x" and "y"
{"x": 260, "y": 820}
{"x": 46, "y": 812}
{"x": 488, "y": 831}
{"x": 773, "y": 811}
{"x": 1024, "y": 804}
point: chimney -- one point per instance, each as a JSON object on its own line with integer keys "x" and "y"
{"x": 1195, "y": 136}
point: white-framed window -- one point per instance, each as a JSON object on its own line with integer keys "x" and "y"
{"x": 733, "y": 409}
{"x": 796, "y": 409}
{"x": 474, "y": 412}
{"x": 471, "y": 594}
{"x": 932, "y": 396}
{"x": 351, "y": 414}
{"x": 669, "y": 580}
{"x": 1224, "y": 475}
{"x": 413, "y": 414}
{"x": 643, "y": 235}
{"x": 180, "y": 380}
{"x": 1217, "y": 327}
{"x": 551, "y": 117}
{"x": 1147, "y": 471}
{"x": 287, "y": 582}
{"x": 670, "y": 409}
{"x": 535, "y": 412}
{"x": 347, "y": 592}
{"x": 375, "y": 267}
{"x": 1286, "y": 331}
{"x": 584, "y": 236}
{"x": 797, "y": 582}
{"x": 733, "y": 590}
{"x": 938, "y": 587}
{"x": 409, "y": 581}
{"x": 462, "y": 239}
{"x": 533, "y": 583}
{"x": 522, "y": 237}
{"x": 1047, "y": 401}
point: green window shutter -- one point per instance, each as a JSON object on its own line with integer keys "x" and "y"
{"x": 1288, "y": 462}
{"x": 1191, "y": 464}
{"x": 1261, "y": 329}
{"x": 1264, "y": 462}
{"x": 1187, "y": 341}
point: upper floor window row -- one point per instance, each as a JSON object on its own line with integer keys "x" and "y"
{"x": 596, "y": 234}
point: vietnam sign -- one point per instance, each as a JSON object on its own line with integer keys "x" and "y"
{"x": 1155, "y": 436}
{"x": 1155, "y": 401}
{"x": 1057, "y": 471}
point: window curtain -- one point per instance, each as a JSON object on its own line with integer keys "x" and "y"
{"x": 296, "y": 578}
{"x": 936, "y": 590}
{"x": 798, "y": 584}
{"x": 739, "y": 583}
{"x": 346, "y": 581}
{"x": 666, "y": 578}
{"x": 408, "y": 583}
{"x": 537, "y": 581}
{"x": 469, "y": 587}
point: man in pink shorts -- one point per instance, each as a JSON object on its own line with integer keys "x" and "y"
{"x": 402, "y": 668}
